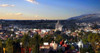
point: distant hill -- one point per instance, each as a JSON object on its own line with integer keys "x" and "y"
{"x": 87, "y": 18}
{"x": 50, "y": 24}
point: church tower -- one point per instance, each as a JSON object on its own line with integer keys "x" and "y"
{"x": 58, "y": 26}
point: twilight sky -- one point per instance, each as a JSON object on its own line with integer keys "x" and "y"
{"x": 46, "y": 9}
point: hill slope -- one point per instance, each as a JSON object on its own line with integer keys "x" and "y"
{"x": 87, "y": 18}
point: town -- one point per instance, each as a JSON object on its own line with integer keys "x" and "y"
{"x": 49, "y": 26}
{"x": 83, "y": 39}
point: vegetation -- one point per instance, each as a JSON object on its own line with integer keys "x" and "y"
{"x": 37, "y": 40}
{"x": 89, "y": 49}
{"x": 9, "y": 46}
{"x": 16, "y": 45}
{"x": 1, "y": 46}
{"x": 48, "y": 38}
{"x": 72, "y": 48}
{"x": 25, "y": 42}
{"x": 92, "y": 38}
{"x": 13, "y": 45}
{"x": 58, "y": 38}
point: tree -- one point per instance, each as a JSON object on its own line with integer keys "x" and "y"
{"x": 64, "y": 36}
{"x": 25, "y": 42}
{"x": 75, "y": 39}
{"x": 83, "y": 50}
{"x": 80, "y": 34}
{"x": 9, "y": 46}
{"x": 59, "y": 38}
{"x": 16, "y": 45}
{"x": 85, "y": 39}
{"x": 58, "y": 32}
{"x": 0, "y": 46}
{"x": 73, "y": 29}
{"x": 90, "y": 38}
{"x": 95, "y": 26}
{"x": 60, "y": 51}
{"x": 37, "y": 39}
{"x": 94, "y": 39}
{"x": 72, "y": 48}
{"x": 31, "y": 42}
{"x": 98, "y": 52}
{"x": 90, "y": 49}
{"x": 48, "y": 38}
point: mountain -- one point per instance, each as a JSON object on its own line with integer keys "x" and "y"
{"x": 87, "y": 18}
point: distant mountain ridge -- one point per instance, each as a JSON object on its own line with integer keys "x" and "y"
{"x": 87, "y": 17}
{"x": 82, "y": 18}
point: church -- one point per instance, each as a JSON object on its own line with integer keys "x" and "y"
{"x": 58, "y": 26}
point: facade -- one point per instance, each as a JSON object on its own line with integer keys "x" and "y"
{"x": 58, "y": 26}
{"x": 80, "y": 44}
{"x": 46, "y": 48}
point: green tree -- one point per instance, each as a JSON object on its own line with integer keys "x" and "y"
{"x": 60, "y": 51}
{"x": 48, "y": 38}
{"x": 75, "y": 39}
{"x": 31, "y": 42}
{"x": 58, "y": 32}
{"x": 80, "y": 34}
{"x": 9, "y": 46}
{"x": 93, "y": 39}
{"x": 1, "y": 46}
{"x": 25, "y": 42}
{"x": 37, "y": 39}
{"x": 85, "y": 41}
{"x": 98, "y": 52}
{"x": 72, "y": 48}
{"x": 58, "y": 38}
{"x": 90, "y": 49}
{"x": 64, "y": 36}
{"x": 16, "y": 45}
{"x": 95, "y": 26}
{"x": 83, "y": 50}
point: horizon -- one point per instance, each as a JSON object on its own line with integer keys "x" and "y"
{"x": 46, "y": 10}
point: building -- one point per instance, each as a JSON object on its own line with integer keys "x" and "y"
{"x": 58, "y": 26}
{"x": 46, "y": 48}
{"x": 80, "y": 44}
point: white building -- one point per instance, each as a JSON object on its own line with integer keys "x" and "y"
{"x": 58, "y": 26}
{"x": 80, "y": 44}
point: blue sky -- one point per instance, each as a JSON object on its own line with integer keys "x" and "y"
{"x": 46, "y": 9}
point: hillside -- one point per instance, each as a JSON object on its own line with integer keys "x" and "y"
{"x": 87, "y": 18}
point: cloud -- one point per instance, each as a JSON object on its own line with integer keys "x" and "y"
{"x": 36, "y": 16}
{"x": 32, "y": 1}
{"x": 5, "y": 5}
{"x": 18, "y": 14}
{"x": 12, "y": 5}
{"x": 9, "y": 14}
{"x": 14, "y": 14}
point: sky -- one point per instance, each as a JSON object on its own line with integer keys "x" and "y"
{"x": 46, "y": 9}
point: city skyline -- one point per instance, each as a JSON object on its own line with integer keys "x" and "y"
{"x": 46, "y": 9}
